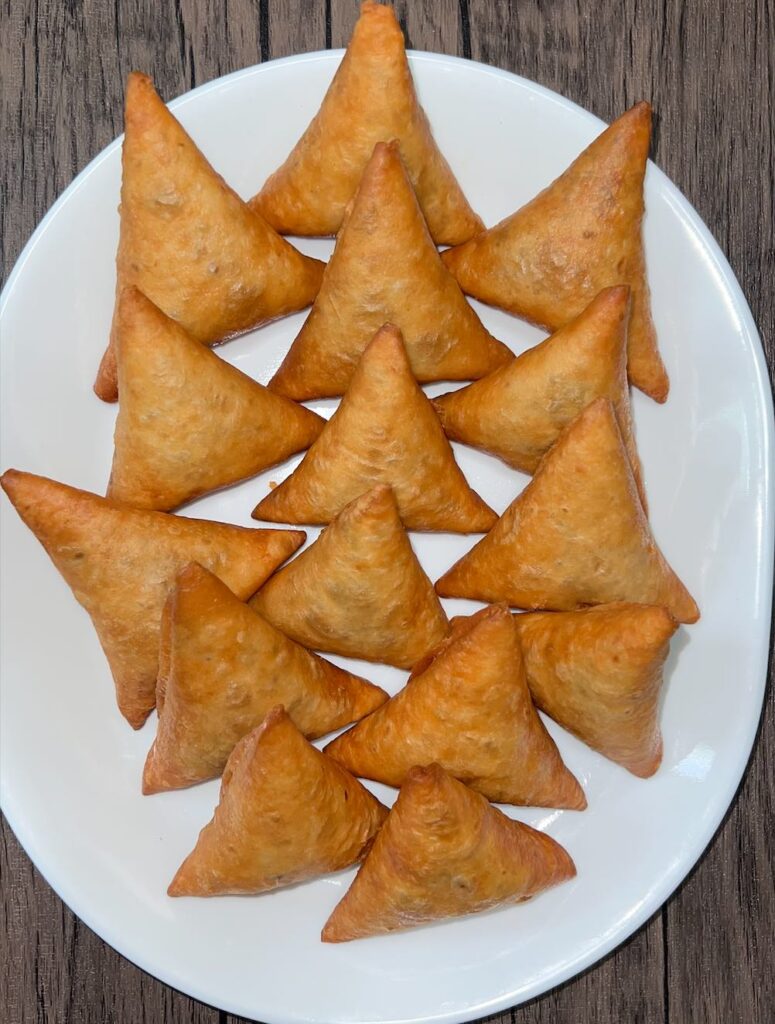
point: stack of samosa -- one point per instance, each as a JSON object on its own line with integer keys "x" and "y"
{"x": 202, "y": 621}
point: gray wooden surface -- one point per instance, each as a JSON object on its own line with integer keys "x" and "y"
{"x": 707, "y": 66}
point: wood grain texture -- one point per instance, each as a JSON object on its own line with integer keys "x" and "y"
{"x": 708, "y": 69}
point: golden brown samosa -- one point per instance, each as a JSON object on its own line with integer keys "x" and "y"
{"x": 359, "y": 589}
{"x": 548, "y": 260}
{"x": 385, "y": 269}
{"x": 598, "y": 673}
{"x": 222, "y": 668}
{"x": 470, "y": 710}
{"x": 370, "y": 100}
{"x": 444, "y": 852}
{"x": 518, "y": 411}
{"x": 189, "y": 242}
{"x": 188, "y": 422}
{"x": 385, "y": 431}
{"x": 577, "y": 535}
{"x": 286, "y": 813}
{"x": 120, "y": 564}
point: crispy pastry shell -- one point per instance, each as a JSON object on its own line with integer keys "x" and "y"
{"x": 548, "y": 260}
{"x": 359, "y": 589}
{"x": 120, "y": 564}
{"x": 444, "y": 852}
{"x": 286, "y": 814}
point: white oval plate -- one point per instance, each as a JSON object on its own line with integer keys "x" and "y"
{"x": 70, "y": 765}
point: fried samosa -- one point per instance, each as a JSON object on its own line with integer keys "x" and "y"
{"x": 598, "y": 673}
{"x": 120, "y": 564}
{"x": 370, "y": 100}
{"x": 577, "y": 535}
{"x": 385, "y": 431}
{"x": 222, "y": 668}
{"x": 358, "y": 590}
{"x": 188, "y": 422}
{"x": 519, "y": 411}
{"x": 444, "y": 852}
{"x": 385, "y": 269}
{"x": 470, "y": 710}
{"x": 548, "y": 260}
{"x": 286, "y": 814}
{"x": 189, "y": 242}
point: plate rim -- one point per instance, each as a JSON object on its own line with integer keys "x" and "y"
{"x": 680, "y": 870}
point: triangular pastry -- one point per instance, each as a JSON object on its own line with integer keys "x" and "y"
{"x": 188, "y": 422}
{"x": 370, "y": 100}
{"x": 385, "y": 431}
{"x": 519, "y": 410}
{"x": 358, "y": 590}
{"x": 121, "y": 562}
{"x": 444, "y": 852}
{"x": 189, "y": 242}
{"x": 286, "y": 814}
{"x": 598, "y": 673}
{"x": 470, "y": 710}
{"x": 385, "y": 269}
{"x": 577, "y": 535}
{"x": 581, "y": 234}
{"x": 222, "y": 668}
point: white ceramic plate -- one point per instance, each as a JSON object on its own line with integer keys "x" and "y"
{"x": 70, "y": 765}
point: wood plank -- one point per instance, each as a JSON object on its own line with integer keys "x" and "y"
{"x": 52, "y": 131}
{"x": 716, "y": 141}
{"x": 427, "y": 25}
{"x": 296, "y": 26}
{"x": 56, "y": 970}
{"x": 214, "y": 38}
{"x": 342, "y": 15}
{"x": 625, "y": 987}
{"x": 720, "y": 922}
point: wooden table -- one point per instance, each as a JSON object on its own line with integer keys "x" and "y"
{"x": 707, "y": 67}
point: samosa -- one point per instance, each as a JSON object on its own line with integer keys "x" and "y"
{"x": 444, "y": 852}
{"x": 222, "y": 668}
{"x": 577, "y": 535}
{"x": 470, "y": 710}
{"x": 548, "y": 260}
{"x": 358, "y": 590}
{"x": 385, "y": 431}
{"x": 188, "y": 422}
{"x": 120, "y": 564}
{"x": 518, "y": 411}
{"x": 286, "y": 813}
{"x": 386, "y": 269}
{"x": 189, "y": 242}
{"x": 598, "y": 673}
{"x": 371, "y": 99}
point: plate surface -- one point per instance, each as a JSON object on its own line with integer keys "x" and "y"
{"x": 71, "y": 767}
